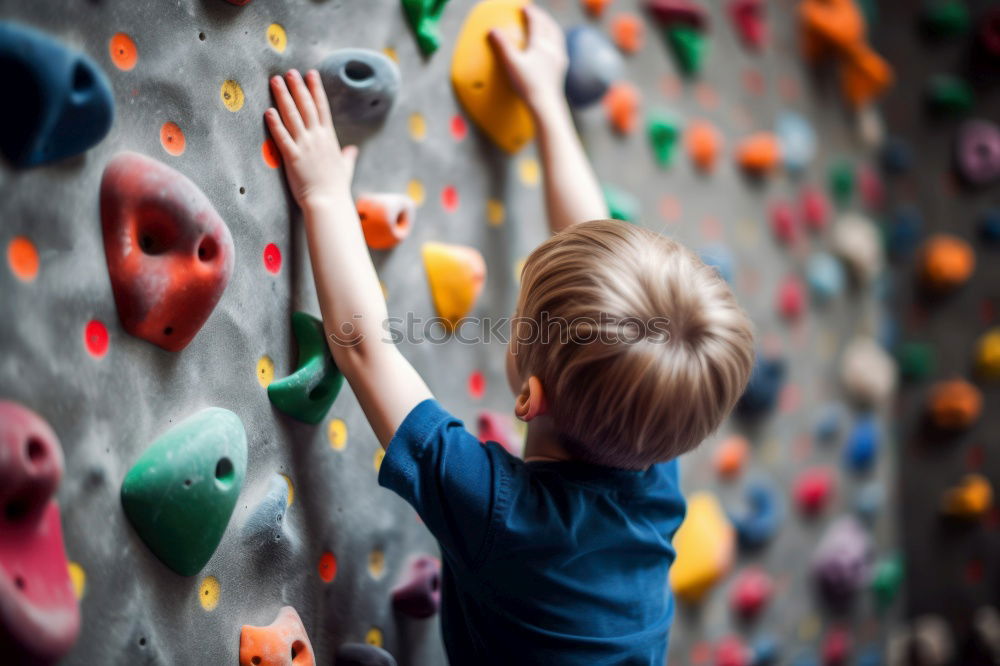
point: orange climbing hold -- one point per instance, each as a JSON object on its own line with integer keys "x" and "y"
{"x": 386, "y": 219}
{"x": 629, "y": 32}
{"x": 731, "y": 456}
{"x": 456, "y": 275}
{"x": 703, "y": 144}
{"x": 172, "y": 138}
{"x": 595, "y": 7}
{"x": 23, "y": 258}
{"x": 864, "y": 75}
{"x": 282, "y": 643}
{"x": 269, "y": 152}
{"x": 830, "y": 25}
{"x": 954, "y": 405}
{"x": 946, "y": 262}
{"x": 123, "y": 51}
{"x": 327, "y": 567}
{"x": 759, "y": 154}
{"x": 971, "y": 498}
{"x": 621, "y": 103}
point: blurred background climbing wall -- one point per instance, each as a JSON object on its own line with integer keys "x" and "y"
{"x": 715, "y": 132}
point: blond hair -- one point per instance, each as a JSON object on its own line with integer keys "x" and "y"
{"x": 640, "y": 347}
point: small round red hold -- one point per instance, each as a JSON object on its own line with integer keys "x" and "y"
{"x": 477, "y": 385}
{"x": 272, "y": 259}
{"x": 459, "y": 128}
{"x": 784, "y": 223}
{"x": 731, "y": 652}
{"x": 449, "y": 198}
{"x": 815, "y": 208}
{"x": 751, "y": 592}
{"x": 95, "y": 338}
{"x": 791, "y": 298}
{"x": 836, "y": 647}
{"x": 812, "y": 490}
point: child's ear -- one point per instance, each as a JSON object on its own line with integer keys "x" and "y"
{"x": 531, "y": 401}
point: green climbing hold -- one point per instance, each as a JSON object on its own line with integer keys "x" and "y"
{"x": 689, "y": 47}
{"x": 424, "y": 16}
{"x": 621, "y": 204}
{"x": 663, "y": 133}
{"x": 916, "y": 360}
{"x": 180, "y": 494}
{"x": 307, "y": 393}
{"x": 886, "y": 580}
{"x": 945, "y": 18}
{"x": 841, "y": 179}
{"x": 949, "y": 95}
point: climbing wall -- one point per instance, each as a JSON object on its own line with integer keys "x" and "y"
{"x": 309, "y": 527}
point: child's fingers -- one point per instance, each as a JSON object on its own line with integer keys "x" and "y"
{"x": 315, "y": 84}
{"x": 286, "y": 107}
{"x": 503, "y": 47}
{"x": 303, "y": 100}
{"x": 532, "y": 24}
{"x": 282, "y": 139}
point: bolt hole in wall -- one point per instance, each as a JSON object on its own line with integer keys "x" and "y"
{"x": 358, "y": 72}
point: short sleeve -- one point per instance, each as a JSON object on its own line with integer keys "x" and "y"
{"x": 457, "y": 485}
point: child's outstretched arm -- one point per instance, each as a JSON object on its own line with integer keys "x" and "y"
{"x": 319, "y": 174}
{"x": 538, "y": 73}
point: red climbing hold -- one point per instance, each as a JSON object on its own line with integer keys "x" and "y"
{"x": 95, "y": 337}
{"x": 669, "y": 13}
{"x": 169, "y": 253}
{"x": 39, "y": 615}
{"x": 748, "y": 19}
{"x": 815, "y": 208}
{"x": 732, "y": 652}
{"x": 791, "y": 298}
{"x": 418, "y": 594}
{"x": 284, "y": 642}
{"x": 784, "y": 223}
{"x": 751, "y": 591}
{"x": 836, "y": 647}
{"x": 272, "y": 258}
{"x": 813, "y": 489}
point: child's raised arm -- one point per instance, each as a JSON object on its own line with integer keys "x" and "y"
{"x": 319, "y": 174}
{"x": 538, "y": 72}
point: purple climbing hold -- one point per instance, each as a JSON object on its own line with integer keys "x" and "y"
{"x": 977, "y": 152}
{"x": 419, "y": 593}
{"x": 842, "y": 562}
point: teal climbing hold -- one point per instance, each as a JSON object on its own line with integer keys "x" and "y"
{"x": 621, "y": 204}
{"x": 424, "y": 16}
{"x": 307, "y": 393}
{"x": 916, "y": 360}
{"x": 841, "y": 181}
{"x": 943, "y": 19}
{"x": 949, "y": 95}
{"x": 886, "y": 580}
{"x": 663, "y": 133}
{"x": 180, "y": 494}
{"x": 689, "y": 47}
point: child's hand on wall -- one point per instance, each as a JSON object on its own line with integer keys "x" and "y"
{"x": 318, "y": 170}
{"x": 538, "y": 71}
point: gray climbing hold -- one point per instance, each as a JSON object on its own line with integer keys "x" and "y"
{"x": 594, "y": 64}
{"x": 362, "y": 654}
{"x": 362, "y": 86}
{"x": 264, "y": 530}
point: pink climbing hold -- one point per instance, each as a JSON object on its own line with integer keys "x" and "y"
{"x": 785, "y": 223}
{"x": 748, "y": 19}
{"x": 871, "y": 187}
{"x": 731, "y": 651}
{"x": 813, "y": 489}
{"x": 751, "y": 591}
{"x": 39, "y": 615}
{"x": 836, "y": 650}
{"x": 496, "y": 427}
{"x": 791, "y": 298}
{"x": 815, "y": 208}
{"x": 418, "y": 594}
{"x": 169, "y": 253}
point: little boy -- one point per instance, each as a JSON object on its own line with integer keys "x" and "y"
{"x": 562, "y": 557}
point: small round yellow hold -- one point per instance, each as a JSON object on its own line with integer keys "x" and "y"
{"x": 277, "y": 37}
{"x": 208, "y": 593}
{"x": 391, "y": 54}
{"x": 337, "y": 433}
{"x": 78, "y": 577}
{"x": 528, "y": 171}
{"x": 374, "y": 637}
{"x": 809, "y": 628}
{"x": 495, "y": 212}
{"x": 376, "y": 563}
{"x": 418, "y": 126}
{"x": 291, "y": 489}
{"x": 416, "y": 191}
{"x": 988, "y": 354}
{"x": 265, "y": 371}
{"x": 519, "y": 268}
{"x": 232, "y": 95}
{"x": 379, "y": 455}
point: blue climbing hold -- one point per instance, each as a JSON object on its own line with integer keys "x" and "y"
{"x": 870, "y": 656}
{"x": 757, "y": 524}
{"x": 825, "y": 277}
{"x": 765, "y": 651}
{"x": 895, "y": 156}
{"x": 830, "y": 421}
{"x": 797, "y": 139}
{"x": 594, "y": 64}
{"x": 761, "y": 394}
{"x": 903, "y": 232}
{"x": 862, "y": 444}
{"x": 59, "y": 101}
{"x": 721, "y": 259}
{"x": 989, "y": 225}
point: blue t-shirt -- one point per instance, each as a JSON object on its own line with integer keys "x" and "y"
{"x": 544, "y": 562}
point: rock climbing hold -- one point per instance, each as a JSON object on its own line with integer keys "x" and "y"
{"x": 791, "y": 301}
{"x": 946, "y": 262}
{"x": 689, "y": 48}
{"x": 670, "y": 13}
{"x": 813, "y": 489}
{"x": 169, "y": 253}
{"x": 867, "y": 372}
{"x": 480, "y": 81}
{"x": 887, "y": 577}
{"x": 830, "y": 25}
{"x": 954, "y": 405}
{"x": 830, "y": 422}
{"x": 944, "y": 19}
{"x": 456, "y": 275}
{"x": 840, "y": 177}
{"x": 418, "y": 594}
{"x": 761, "y": 394}
{"x": 989, "y": 226}
{"x": 39, "y": 614}
{"x": 785, "y": 223}
{"x": 759, "y": 522}
{"x": 704, "y": 544}
{"x": 864, "y": 75}
{"x": 895, "y": 156}
{"x": 916, "y": 360}
{"x": 731, "y": 651}
{"x": 759, "y": 154}
{"x": 284, "y": 642}
{"x": 496, "y": 427}
{"x": 796, "y": 139}
{"x": 621, "y": 104}
{"x": 721, "y": 259}
{"x": 862, "y": 445}
{"x": 977, "y": 152}
{"x": 307, "y": 393}
{"x": 825, "y": 276}
{"x": 663, "y": 132}
{"x": 836, "y": 648}
{"x": 748, "y": 21}
{"x": 971, "y": 499}
{"x": 361, "y": 86}
{"x": 988, "y": 354}
{"x": 751, "y": 591}
{"x": 363, "y": 654}
{"x": 424, "y": 16}
{"x": 988, "y": 34}
{"x": 65, "y": 104}
{"x": 765, "y": 651}
{"x": 622, "y": 205}
{"x": 868, "y": 501}
{"x": 181, "y": 492}
{"x": 594, "y": 64}
{"x": 264, "y": 531}
{"x": 903, "y": 231}
{"x": 386, "y": 218}
{"x": 948, "y": 95}
{"x": 730, "y": 456}
{"x": 857, "y": 241}
{"x": 870, "y": 186}
{"x": 842, "y": 562}
{"x": 628, "y": 32}
{"x": 703, "y": 144}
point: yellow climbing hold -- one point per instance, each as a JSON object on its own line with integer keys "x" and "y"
{"x": 415, "y": 189}
{"x": 456, "y": 274}
{"x": 78, "y": 577}
{"x": 988, "y": 354}
{"x": 481, "y": 84}
{"x": 495, "y": 212}
{"x": 208, "y": 593}
{"x": 277, "y": 37}
{"x": 337, "y": 434}
{"x": 519, "y": 268}
{"x": 418, "y": 126}
{"x": 265, "y": 371}
{"x": 374, "y": 637}
{"x": 971, "y": 498}
{"x": 528, "y": 171}
{"x": 291, "y": 489}
{"x": 232, "y": 95}
{"x": 376, "y": 563}
{"x": 391, "y": 53}
{"x": 705, "y": 544}
{"x": 377, "y": 459}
